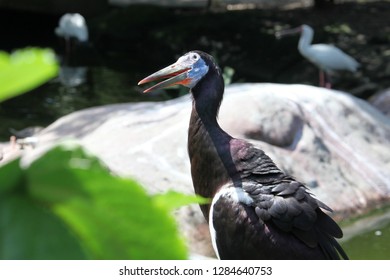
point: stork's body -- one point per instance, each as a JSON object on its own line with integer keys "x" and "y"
{"x": 328, "y": 58}
{"x": 257, "y": 211}
{"x": 72, "y": 27}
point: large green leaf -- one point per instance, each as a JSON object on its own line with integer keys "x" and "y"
{"x": 173, "y": 200}
{"x": 11, "y": 176}
{"x": 24, "y": 70}
{"x": 67, "y": 205}
{"x": 29, "y": 231}
{"x": 113, "y": 218}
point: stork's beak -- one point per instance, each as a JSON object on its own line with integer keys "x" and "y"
{"x": 288, "y": 32}
{"x": 176, "y": 74}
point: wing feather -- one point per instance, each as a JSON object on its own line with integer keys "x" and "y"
{"x": 281, "y": 202}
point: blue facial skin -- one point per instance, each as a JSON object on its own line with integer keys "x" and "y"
{"x": 197, "y": 72}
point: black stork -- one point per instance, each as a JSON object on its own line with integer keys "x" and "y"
{"x": 256, "y": 211}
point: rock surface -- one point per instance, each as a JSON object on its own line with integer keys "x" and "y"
{"x": 335, "y": 143}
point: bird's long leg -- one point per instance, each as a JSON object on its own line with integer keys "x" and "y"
{"x": 327, "y": 79}
{"x": 67, "y": 46}
{"x": 322, "y": 78}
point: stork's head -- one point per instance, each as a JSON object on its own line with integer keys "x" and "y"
{"x": 188, "y": 70}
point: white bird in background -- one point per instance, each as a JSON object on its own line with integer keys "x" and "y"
{"x": 72, "y": 26}
{"x": 327, "y": 58}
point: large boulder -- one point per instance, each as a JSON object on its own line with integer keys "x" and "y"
{"x": 335, "y": 143}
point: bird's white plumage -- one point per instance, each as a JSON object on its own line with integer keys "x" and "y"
{"x": 237, "y": 195}
{"x": 326, "y": 57}
{"x": 72, "y": 25}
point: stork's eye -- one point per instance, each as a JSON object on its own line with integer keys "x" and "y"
{"x": 195, "y": 56}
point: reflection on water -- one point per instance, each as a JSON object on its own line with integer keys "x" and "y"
{"x": 72, "y": 76}
{"x": 368, "y": 238}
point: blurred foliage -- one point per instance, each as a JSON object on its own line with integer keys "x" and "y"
{"x": 24, "y": 70}
{"x": 228, "y": 73}
{"x": 67, "y": 205}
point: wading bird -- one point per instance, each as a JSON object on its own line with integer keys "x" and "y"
{"x": 327, "y": 58}
{"x": 256, "y": 210}
{"x": 72, "y": 27}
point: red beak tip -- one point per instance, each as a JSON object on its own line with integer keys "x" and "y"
{"x": 142, "y": 82}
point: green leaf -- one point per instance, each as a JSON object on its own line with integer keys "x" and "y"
{"x": 28, "y": 231}
{"x": 228, "y": 73}
{"x": 172, "y": 200}
{"x": 11, "y": 175}
{"x": 24, "y": 70}
{"x": 113, "y": 218}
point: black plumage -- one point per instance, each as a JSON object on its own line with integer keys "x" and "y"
{"x": 257, "y": 211}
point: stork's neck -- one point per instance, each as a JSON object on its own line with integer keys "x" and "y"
{"x": 212, "y": 165}
{"x": 305, "y": 41}
{"x": 208, "y": 146}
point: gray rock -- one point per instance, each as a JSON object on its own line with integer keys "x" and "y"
{"x": 335, "y": 143}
